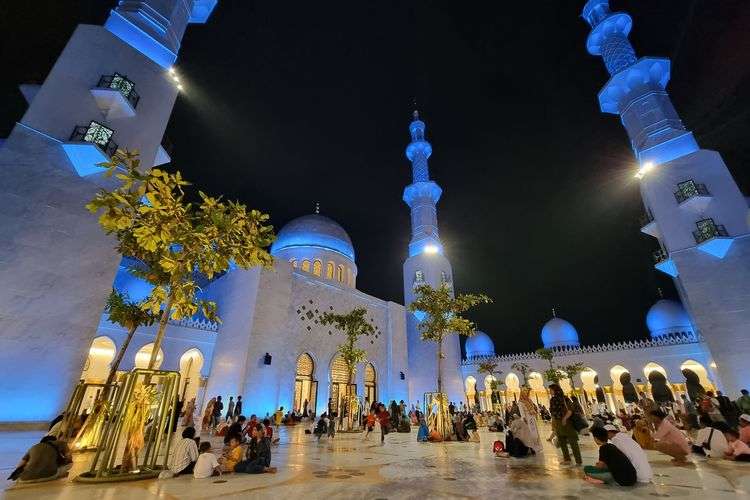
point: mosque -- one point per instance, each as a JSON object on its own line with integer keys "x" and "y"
{"x": 117, "y": 82}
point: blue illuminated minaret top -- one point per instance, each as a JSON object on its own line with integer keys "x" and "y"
{"x": 636, "y": 89}
{"x": 422, "y": 194}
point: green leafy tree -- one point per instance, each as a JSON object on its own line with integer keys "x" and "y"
{"x": 524, "y": 370}
{"x": 128, "y": 315}
{"x": 173, "y": 238}
{"x": 490, "y": 368}
{"x": 354, "y": 325}
{"x": 571, "y": 371}
{"x": 552, "y": 373}
{"x": 443, "y": 317}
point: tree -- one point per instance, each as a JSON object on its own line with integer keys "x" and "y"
{"x": 130, "y": 316}
{"x": 552, "y": 373}
{"x": 490, "y": 368}
{"x": 173, "y": 239}
{"x": 571, "y": 371}
{"x": 443, "y": 317}
{"x": 524, "y": 370}
{"x": 354, "y": 325}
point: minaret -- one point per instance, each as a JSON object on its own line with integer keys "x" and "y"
{"x": 112, "y": 86}
{"x": 693, "y": 206}
{"x": 426, "y": 264}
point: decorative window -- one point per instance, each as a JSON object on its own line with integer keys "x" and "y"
{"x": 317, "y": 268}
{"x": 293, "y": 262}
{"x": 340, "y": 274}
{"x": 98, "y": 134}
{"x": 329, "y": 270}
{"x": 306, "y": 265}
{"x": 418, "y": 277}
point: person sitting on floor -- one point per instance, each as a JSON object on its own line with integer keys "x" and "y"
{"x": 517, "y": 439}
{"x": 613, "y": 465}
{"x": 206, "y": 465}
{"x": 745, "y": 428}
{"x": 236, "y": 429}
{"x": 738, "y": 449}
{"x": 322, "y": 426}
{"x": 669, "y": 439}
{"x": 233, "y": 455}
{"x": 633, "y": 451}
{"x": 710, "y": 440}
{"x": 46, "y": 460}
{"x": 262, "y": 462}
{"x": 185, "y": 453}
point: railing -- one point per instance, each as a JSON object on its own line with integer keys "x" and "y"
{"x": 98, "y": 134}
{"x": 660, "y": 255}
{"x": 122, "y": 84}
{"x": 705, "y": 233}
{"x": 690, "y": 189}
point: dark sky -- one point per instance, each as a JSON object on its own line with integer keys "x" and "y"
{"x": 289, "y": 103}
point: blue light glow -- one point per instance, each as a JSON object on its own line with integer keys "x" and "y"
{"x": 668, "y": 316}
{"x": 717, "y": 246}
{"x": 559, "y": 333}
{"x": 480, "y": 344}
{"x": 85, "y": 157}
{"x": 314, "y": 231}
{"x": 140, "y": 40}
{"x": 667, "y": 266}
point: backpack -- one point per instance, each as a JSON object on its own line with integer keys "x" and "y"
{"x": 497, "y": 447}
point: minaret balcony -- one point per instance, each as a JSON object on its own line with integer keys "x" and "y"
{"x": 712, "y": 238}
{"x": 88, "y": 146}
{"x": 648, "y": 225}
{"x": 664, "y": 263}
{"x": 115, "y": 95}
{"x": 693, "y": 196}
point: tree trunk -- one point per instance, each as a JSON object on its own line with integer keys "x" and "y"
{"x": 160, "y": 332}
{"x": 440, "y": 367}
{"x": 349, "y": 406}
{"x": 120, "y": 355}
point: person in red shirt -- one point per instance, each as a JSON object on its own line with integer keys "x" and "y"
{"x": 385, "y": 420}
{"x": 369, "y": 424}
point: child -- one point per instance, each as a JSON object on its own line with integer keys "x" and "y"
{"x": 269, "y": 431}
{"x": 613, "y": 465}
{"x": 332, "y": 425}
{"x": 233, "y": 455}
{"x": 738, "y": 450}
{"x": 370, "y": 424}
{"x": 206, "y": 465}
{"x": 322, "y": 427}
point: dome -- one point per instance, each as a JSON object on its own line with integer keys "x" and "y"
{"x": 479, "y": 345}
{"x": 316, "y": 231}
{"x": 668, "y": 316}
{"x": 559, "y": 333}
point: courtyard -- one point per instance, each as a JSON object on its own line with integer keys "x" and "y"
{"x": 348, "y": 467}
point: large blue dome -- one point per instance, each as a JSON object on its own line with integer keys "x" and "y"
{"x": 315, "y": 231}
{"x": 559, "y": 333}
{"x": 479, "y": 345}
{"x": 668, "y": 316}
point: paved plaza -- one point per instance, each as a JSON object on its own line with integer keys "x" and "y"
{"x": 347, "y": 467}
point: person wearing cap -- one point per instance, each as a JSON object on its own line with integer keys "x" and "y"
{"x": 745, "y": 428}
{"x": 613, "y": 464}
{"x": 633, "y": 451}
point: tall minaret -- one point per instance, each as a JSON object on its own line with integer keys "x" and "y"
{"x": 111, "y": 86}
{"x": 693, "y": 206}
{"x": 426, "y": 264}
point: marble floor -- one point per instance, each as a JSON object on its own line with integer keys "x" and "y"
{"x": 347, "y": 467}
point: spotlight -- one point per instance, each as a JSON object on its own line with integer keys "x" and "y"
{"x": 645, "y": 168}
{"x": 172, "y": 70}
{"x": 179, "y": 87}
{"x": 176, "y": 79}
{"x": 430, "y": 249}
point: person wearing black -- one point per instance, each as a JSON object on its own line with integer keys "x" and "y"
{"x": 218, "y": 407}
{"x": 235, "y": 429}
{"x": 613, "y": 465}
{"x": 238, "y": 407}
{"x": 262, "y": 461}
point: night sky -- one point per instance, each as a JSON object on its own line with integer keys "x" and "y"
{"x": 292, "y": 103}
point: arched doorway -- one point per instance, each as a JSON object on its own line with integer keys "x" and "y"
{"x": 699, "y": 370}
{"x": 143, "y": 356}
{"x": 191, "y": 364}
{"x": 661, "y": 390}
{"x": 371, "y": 388}
{"x": 341, "y": 388}
{"x": 305, "y": 385}
{"x": 101, "y": 354}
{"x": 512, "y": 387}
{"x": 470, "y": 384}
{"x": 589, "y": 384}
{"x": 538, "y": 392}
{"x": 490, "y": 393}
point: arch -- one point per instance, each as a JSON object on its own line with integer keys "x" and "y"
{"x": 340, "y": 387}
{"x": 564, "y": 382}
{"x": 651, "y": 366}
{"x": 589, "y": 379}
{"x": 340, "y": 274}
{"x": 191, "y": 363}
{"x": 699, "y": 370}
{"x": 306, "y": 265}
{"x": 317, "y": 268}
{"x": 615, "y": 373}
{"x": 371, "y": 383}
{"x": 143, "y": 356}
{"x": 470, "y": 386}
{"x": 329, "y": 270}
{"x": 293, "y": 262}
{"x": 305, "y": 385}
{"x": 536, "y": 381}
{"x": 101, "y": 354}
{"x": 512, "y": 386}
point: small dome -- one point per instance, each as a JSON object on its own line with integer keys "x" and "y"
{"x": 559, "y": 333}
{"x": 316, "y": 231}
{"x": 479, "y": 345}
{"x": 668, "y": 316}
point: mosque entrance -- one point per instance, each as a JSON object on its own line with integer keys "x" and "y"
{"x": 305, "y": 387}
{"x": 371, "y": 391}
{"x": 341, "y": 388}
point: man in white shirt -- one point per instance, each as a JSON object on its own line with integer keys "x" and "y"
{"x": 633, "y": 451}
{"x": 206, "y": 465}
{"x": 711, "y": 440}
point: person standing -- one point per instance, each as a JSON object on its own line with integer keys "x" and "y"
{"x": 230, "y": 410}
{"x": 385, "y": 420}
{"x": 238, "y": 407}
{"x": 562, "y": 426}
{"x": 218, "y": 407}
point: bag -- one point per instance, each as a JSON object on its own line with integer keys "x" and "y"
{"x": 707, "y": 444}
{"x": 497, "y": 447}
{"x": 579, "y": 423}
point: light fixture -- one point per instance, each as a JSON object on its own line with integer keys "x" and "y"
{"x": 179, "y": 87}
{"x": 644, "y": 169}
{"x": 713, "y": 364}
{"x": 172, "y": 70}
{"x": 430, "y": 249}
